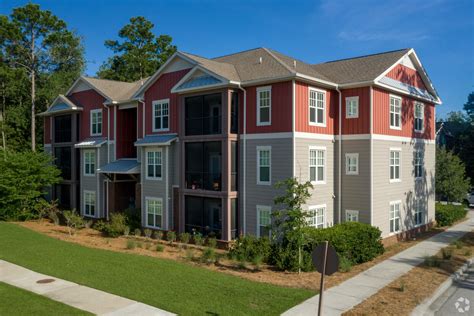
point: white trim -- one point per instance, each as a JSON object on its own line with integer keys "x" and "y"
{"x": 91, "y": 114}
{"x": 352, "y": 213}
{"x": 354, "y": 137}
{"x": 350, "y": 156}
{"x": 84, "y": 152}
{"x": 399, "y": 150}
{"x": 415, "y": 152}
{"x": 371, "y": 162}
{"x": 348, "y": 100}
{"x": 266, "y": 135}
{"x": 224, "y": 81}
{"x": 323, "y": 124}
{"x": 154, "y": 150}
{"x": 397, "y": 202}
{"x": 318, "y": 148}
{"x": 84, "y": 192}
{"x": 314, "y": 208}
{"x": 415, "y": 104}
{"x": 318, "y": 136}
{"x": 396, "y": 97}
{"x": 293, "y": 126}
{"x": 160, "y": 102}
{"x": 260, "y": 208}
{"x": 157, "y": 199}
{"x": 264, "y": 89}
{"x": 417, "y": 201}
{"x": 47, "y": 145}
{"x": 259, "y": 149}
{"x": 403, "y": 139}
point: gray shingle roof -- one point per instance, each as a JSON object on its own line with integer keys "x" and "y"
{"x": 115, "y": 90}
{"x": 222, "y": 69}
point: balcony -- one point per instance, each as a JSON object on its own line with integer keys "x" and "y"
{"x": 207, "y": 125}
{"x": 203, "y": 114}
{"x": 203, "y": 166}
{"x": 203, "y": 181}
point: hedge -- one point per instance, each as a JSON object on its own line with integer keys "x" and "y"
{"x": 446, "y": 215}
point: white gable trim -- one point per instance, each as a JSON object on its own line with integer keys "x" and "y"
{"x": 224, "y": 81}
{"x": 83, "y": 80}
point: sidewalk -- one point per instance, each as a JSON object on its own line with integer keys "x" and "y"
{"x": 354, "y": 291}
{"x": 82, "y": 297}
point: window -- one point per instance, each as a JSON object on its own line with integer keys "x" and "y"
{"x": 89, "y": 203}
{"x": 203, "y": 165}
{"x": 316, "y": 216}
{"x": 202, "y": 114}
{"x": 352, "y": 216}
{"x": 264, "y": 161}
{"x": 234, "y": 113}
{"x": 264, "y": 106}
{"x": 153, "y": 164}
{"x": 419, "y": 117}
{"x": 96, "y": 122}
{"x": 317, "y": 107}
{"x": 63, "y": 128}
{"x": 161, "y": 115}
{"x": 352, "y": 107}
{"x": 418, "y": 212}
{"x": 395, "y": 216}
{"x": 352, "y": 164}
{"x": 264, "y": 219}
{"x": 395, "y": 112}
{"x": 63, "y": 160}
{"x": 317, "y": 164}
{"x": 89, "y": 162}
{"x": 154, "y": 212}
{"x": 395, "y": 154}
{"x": 418, "y": 162}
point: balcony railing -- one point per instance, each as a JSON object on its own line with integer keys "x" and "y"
{"x": 207, "y": 125}
{"x": 203, "y": 181}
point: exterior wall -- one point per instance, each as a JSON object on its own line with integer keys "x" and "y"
{"x": 89, "y": 100}
{"x": 161, "y": 89}
{"x": 360, "y": 125}
{"x": 302, "y": 110}
{"x": 381, "y": 112}
{"x": 406, "y": 190}
{"x": 47, "y": 130}
{"x": 322, "y": 193}
{"x": 406, "y": 75}
{"x": 281, "y": 109}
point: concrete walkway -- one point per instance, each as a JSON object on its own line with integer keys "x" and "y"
{"x": 82, "y": 297}
{"x": 354, "y": 291}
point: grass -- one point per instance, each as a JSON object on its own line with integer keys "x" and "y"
{"x": 170, "y": 285}
{"x": 16, "y": 301}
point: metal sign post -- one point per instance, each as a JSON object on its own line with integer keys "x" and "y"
{"x": 326, "y": 261}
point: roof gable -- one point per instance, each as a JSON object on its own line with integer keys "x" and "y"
{"x": 61, "y": 105}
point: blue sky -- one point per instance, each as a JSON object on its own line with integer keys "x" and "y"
{"x": 441, "y": 31}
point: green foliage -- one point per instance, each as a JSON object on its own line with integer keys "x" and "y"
{"x": 257, "y": 261}
{"x": 458, "y": 244}
{"x": 116, "y": 226}
{"x": 249, "y": 247}
{"x": 345, "y": 265}
{"x": 185, "y": 237}
{"x": 451, "y": 182}
{"x": 212, "y": 242}
{"x": 402, "y": 286}
{"x": 147, "y": 232}
{"x": 99, "y": 225}
{"x": 133, "y": 218}
{"x": 446, "y": 253}
{"x": 446, "y": 215}
{"x": 158, "y": 234}
{"x": 24, "y": 179}
{"x": 171, "y": 236}
{"x": 131, "y": 244}
{"x": 160, "y": 248}
{"x": 138, "y": 54}
{"x": 208, "y": 255}
{"x": 469, "y": 105}
{"x": 74, "y": 221}
{"x": 137, "y": 232}
{"x": 126, "y": 231}
{"x": 432, "y": 262}
{"x": 189, "y": 254}
{"x": 198, "y": 239}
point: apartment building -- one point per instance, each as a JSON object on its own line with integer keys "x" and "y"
{"x": 199, "y": 146}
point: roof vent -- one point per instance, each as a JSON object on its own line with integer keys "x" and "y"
{"x": 260, "y": 60}
{"x": 294, "y": 63}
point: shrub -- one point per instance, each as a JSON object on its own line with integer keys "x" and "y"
{"x": 74, "y": 221}
{"x": 131, "y": 244}
{"x": 133, "y": 216}
{"x": 447, "y": 214}
{"x": 147, "y": 245}
{"x": 126, "y": 231}
{"x": 431, "y": 261}
{"x": 208, "y": 255}
{"x": 139, "y": 244}
{"x": 198, "y": 239}
{"x": 467, "y": 252}
{"x": 446, "y": 253}
{"x": 257, "y": 261}
{"x": 185, "y": 237}
{"x": 345, "y": 265}
{"x": 160, "y": 248}
{"x": 189, "y": 254}
{"x": 248, "y": 247}
{"x": 458, "y": 244}
{"x": 137, "y": 232}
{"x": 212, "y": 242}
{"x": 147, "y": 232}
{"x": 171, "y": 236}
{"x": 99, "y": 225}
{"x": 402, "y": 286}
{"x": 158, "y": 234}
{"x": 88, "y": 223}
{"x": 116, "y": 226}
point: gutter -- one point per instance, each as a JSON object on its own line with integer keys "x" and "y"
{"x": 244, "y": 209}
{"x": 340, "y": 158}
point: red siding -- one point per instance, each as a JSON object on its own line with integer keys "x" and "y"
{"x": 161, "y": 89}
{"x": 47, "y": 130}
{"x": 302, "y": 110}
{"x": 360, "y": 125}
{"x": 407, "y": 75}
{"x": 140, "y": 120}
{"x": 382, "y": 116}
{"x": 281, "y": 111}
{"x": 89, "y": 100}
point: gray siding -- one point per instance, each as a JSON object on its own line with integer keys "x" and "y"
{"x": 408, "y": 189}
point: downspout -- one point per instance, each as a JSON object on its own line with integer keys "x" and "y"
{"x": 293, "y": 123}
{"x": 371, "y": 129}
{"x": 340, "y": 158}
{"x": 108, "y": 161}
{"x": 244, "y": 187}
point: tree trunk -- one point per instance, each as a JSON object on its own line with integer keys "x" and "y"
{"x": 33, "y": 93}
{"x": 2, "y": 120}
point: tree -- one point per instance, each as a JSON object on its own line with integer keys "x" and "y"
{"x": 24, "y": 178}
{"x": 38, "y": 43}
{"x": 289, "y": 223}
{"x": 138, "y": 54}
{"x": 451, "y": 181}
{"x": 469, "y": 105}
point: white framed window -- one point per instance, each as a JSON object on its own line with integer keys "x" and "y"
{"x": 161, "y": 115}
{"x": 89, "y": 162}
{"x": 96, "y": 122}
{"x": 418, "y": 163}
{"x": 395, "y": 168}
{"x": 317, "y": 165}
{"x": 352, "y": 163}
{"x": 317, "y": 216}
{"x": 317, "y": 107}
{"x": 418, "y": 212}
{"x": 264, "y": 106}
{"x": 395, "y": 112}
{"x": 89, "y": 203}
{"x": 352, "y": 107}
{"x": 395, "y": 207}
{"x": 153, "y": 164}
{"x": 154, "y": 212}
{"x": 264, "y": 165}
{"x": 352, "y": 216}
{"x": 264, "y": 220}
{"x": 419, "y": 117}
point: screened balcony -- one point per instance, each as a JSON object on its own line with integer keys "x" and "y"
{"x": 203, "y": 114}
{"x": 203, "y": 166}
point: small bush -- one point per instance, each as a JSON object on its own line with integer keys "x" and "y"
{"x": 198, "y": 239}
{"x": 158, "y": 234}
{"x": 185, "y": 237}
{"x": 432, "y": 261}
{"x": 208, "y": 255}
{"x": 446, "y": 253}
{"x": 212, "y": 242}
{"x": 446, "y": 215}
{"x": 133, "y": 216}
{"x": 402, "y": 286}
{"x": 99, "y": 225}
{"x": 147, "y": 245}
{"x": 248, "y": 247}
{"x": 257, "y": 261}
{"x": 74, "y": 221}
{"x": 147, "y": 232}
{"x": 88, "y": 223}
{"x": 131, "y": 244}
{"x": 171, "y": 236}
{"x": 137, "y": 232}
{"x": 160, "y": 248}
{"x": 116, "y": 226}
{"x": 189, "y": 254}
{"x": 468, "y": 253}
{"x": 139, "y": 244}
{"x": 126, "y": 231}
{"x": 458, "y": 244}
{"x": 345, "y": 265}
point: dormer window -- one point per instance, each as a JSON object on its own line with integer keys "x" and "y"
{"x": 96, "y": 122}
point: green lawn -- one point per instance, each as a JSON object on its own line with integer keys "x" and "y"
{"x": 166, "y": 284}
{"x": 15, "y": 301}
